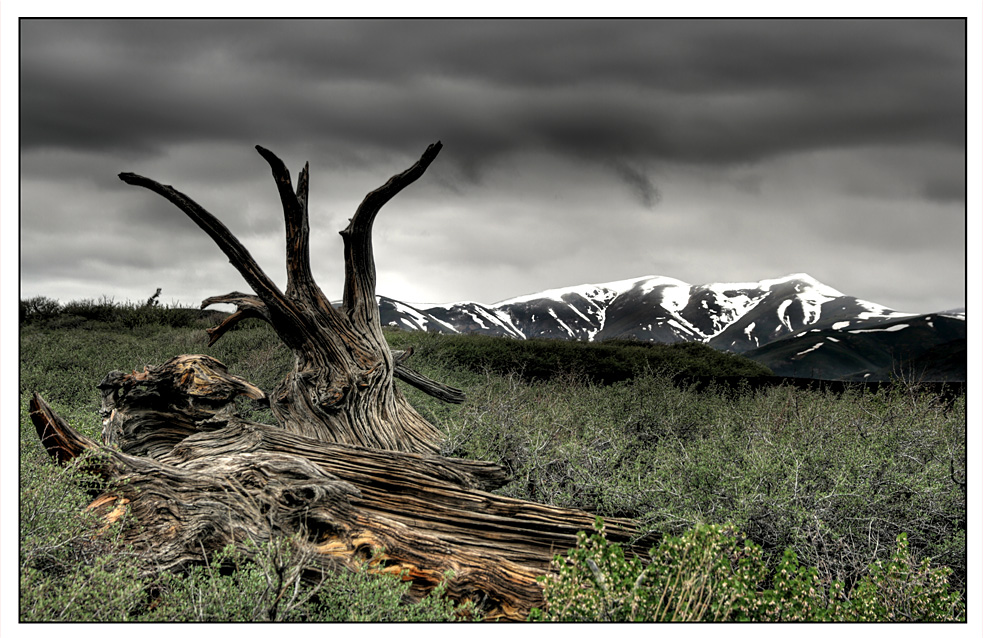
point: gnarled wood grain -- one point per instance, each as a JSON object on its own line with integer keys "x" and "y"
{"x": 215, "y": 479}
{"x": 341, "y": 388}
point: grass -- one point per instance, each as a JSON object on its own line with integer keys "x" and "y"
{"x": 834, "y": 479}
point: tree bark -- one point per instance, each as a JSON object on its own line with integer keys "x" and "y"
{"x": 196, "y": 478}
{"x": 341, "y": 388}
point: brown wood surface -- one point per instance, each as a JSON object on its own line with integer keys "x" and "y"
{"x": 341, "y": 388}
{"x": 196, "y": 477}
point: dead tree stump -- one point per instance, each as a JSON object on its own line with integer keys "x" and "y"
{"x": 350, "y": 472}
{"x": 341, "y": 388}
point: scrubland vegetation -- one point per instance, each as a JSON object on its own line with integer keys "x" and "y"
{"x": 769, "y": 504}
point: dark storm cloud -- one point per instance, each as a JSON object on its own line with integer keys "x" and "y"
{"x": 703, "y": 91}
{"x": 556, "y": 133}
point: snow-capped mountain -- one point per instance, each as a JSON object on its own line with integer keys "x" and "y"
{"x": 729, "y": 316}
{"x": 795, "y": 325}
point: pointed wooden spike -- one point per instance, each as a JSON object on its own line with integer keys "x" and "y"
{"x": 61, "y": 441}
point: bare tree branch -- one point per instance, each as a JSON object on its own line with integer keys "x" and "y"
{"x": 247, "y": 307}
{"x": 220, "y": 234}
{"x": 295, "y": 220}
{"x": 359, "y": 300}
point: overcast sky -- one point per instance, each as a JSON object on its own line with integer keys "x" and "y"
{"x": 574, "y": 152}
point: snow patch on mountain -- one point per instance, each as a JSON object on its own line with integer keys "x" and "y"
{"x": 733, "y": 304}
{"x": 594, "y": 292}
{"x": 894, "y": 328}
{"x": 805, "y": 282}
{"x": 877, "y": 311}
{"x": 783, "y": 316}
{"x": 570, "y": 331}
{"x": 648, "y": 284}
{"x": 808, "y": 350}
{"x": 749, "y": 331}
{"x": 506, "y": 322}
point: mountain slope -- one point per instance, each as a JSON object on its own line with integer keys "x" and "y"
{"x": 734, "y": 317}
{"x": 920, "y": 348}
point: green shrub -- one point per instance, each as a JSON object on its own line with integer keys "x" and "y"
{"x": 106, "y": 313}
{"x": 73, "y": 567}
{"x": 364, "y": 597}
{"x": 699, "y": 576}
{"x": 38, "y": 309}
{"x": 835, "y": 477}
{"x": 901, "y": 589}
{"x": 108, "y": 589}
{"x": 710, "y": 573}
{"x": 276, "y": 582}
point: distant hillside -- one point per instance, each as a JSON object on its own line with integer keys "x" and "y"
{"x": 920, "y": 348}
{"x": 729, "y": 316}
{"x": 602, "y": 363}
{"x": 773, "y": 321}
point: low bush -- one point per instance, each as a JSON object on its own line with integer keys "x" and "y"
{"x": 835, "y": 477}
{"x": 276, "y": 583}
{"x": 72, "y": 567}
{"x": 712, "y": 573}
{"x": 108, "y": 313}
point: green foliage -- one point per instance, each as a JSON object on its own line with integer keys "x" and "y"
{"x": 72, "y": 567}
{"x": 710, "y": 573}
{"x": 108, "y": 589}
{"x": 38, "y": 309}
{"x": 901, "y": 589}
{"x": 836, "y": 479}
{"x": 696, "y": 577}
{"x": 274, "y": 583}
{"x": 364, "y": 597}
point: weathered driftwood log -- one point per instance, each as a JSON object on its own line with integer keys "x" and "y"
{"x": 196, "y": 478}
{"x": 341, "y": 388}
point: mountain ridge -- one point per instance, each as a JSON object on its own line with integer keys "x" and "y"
{"x": 740, "y": 317}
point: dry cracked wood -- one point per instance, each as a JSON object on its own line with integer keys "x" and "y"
{"x": 341, "y": 388}
{"x": 196, "y": 478}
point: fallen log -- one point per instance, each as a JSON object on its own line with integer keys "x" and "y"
{"x": 197, "y": 478}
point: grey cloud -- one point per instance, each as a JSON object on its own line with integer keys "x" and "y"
{"x": 639, "y": 103}
{"x": 639, "y": 182}
{"x": 951, "y": 188}
{"x": 747, "y": 88}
